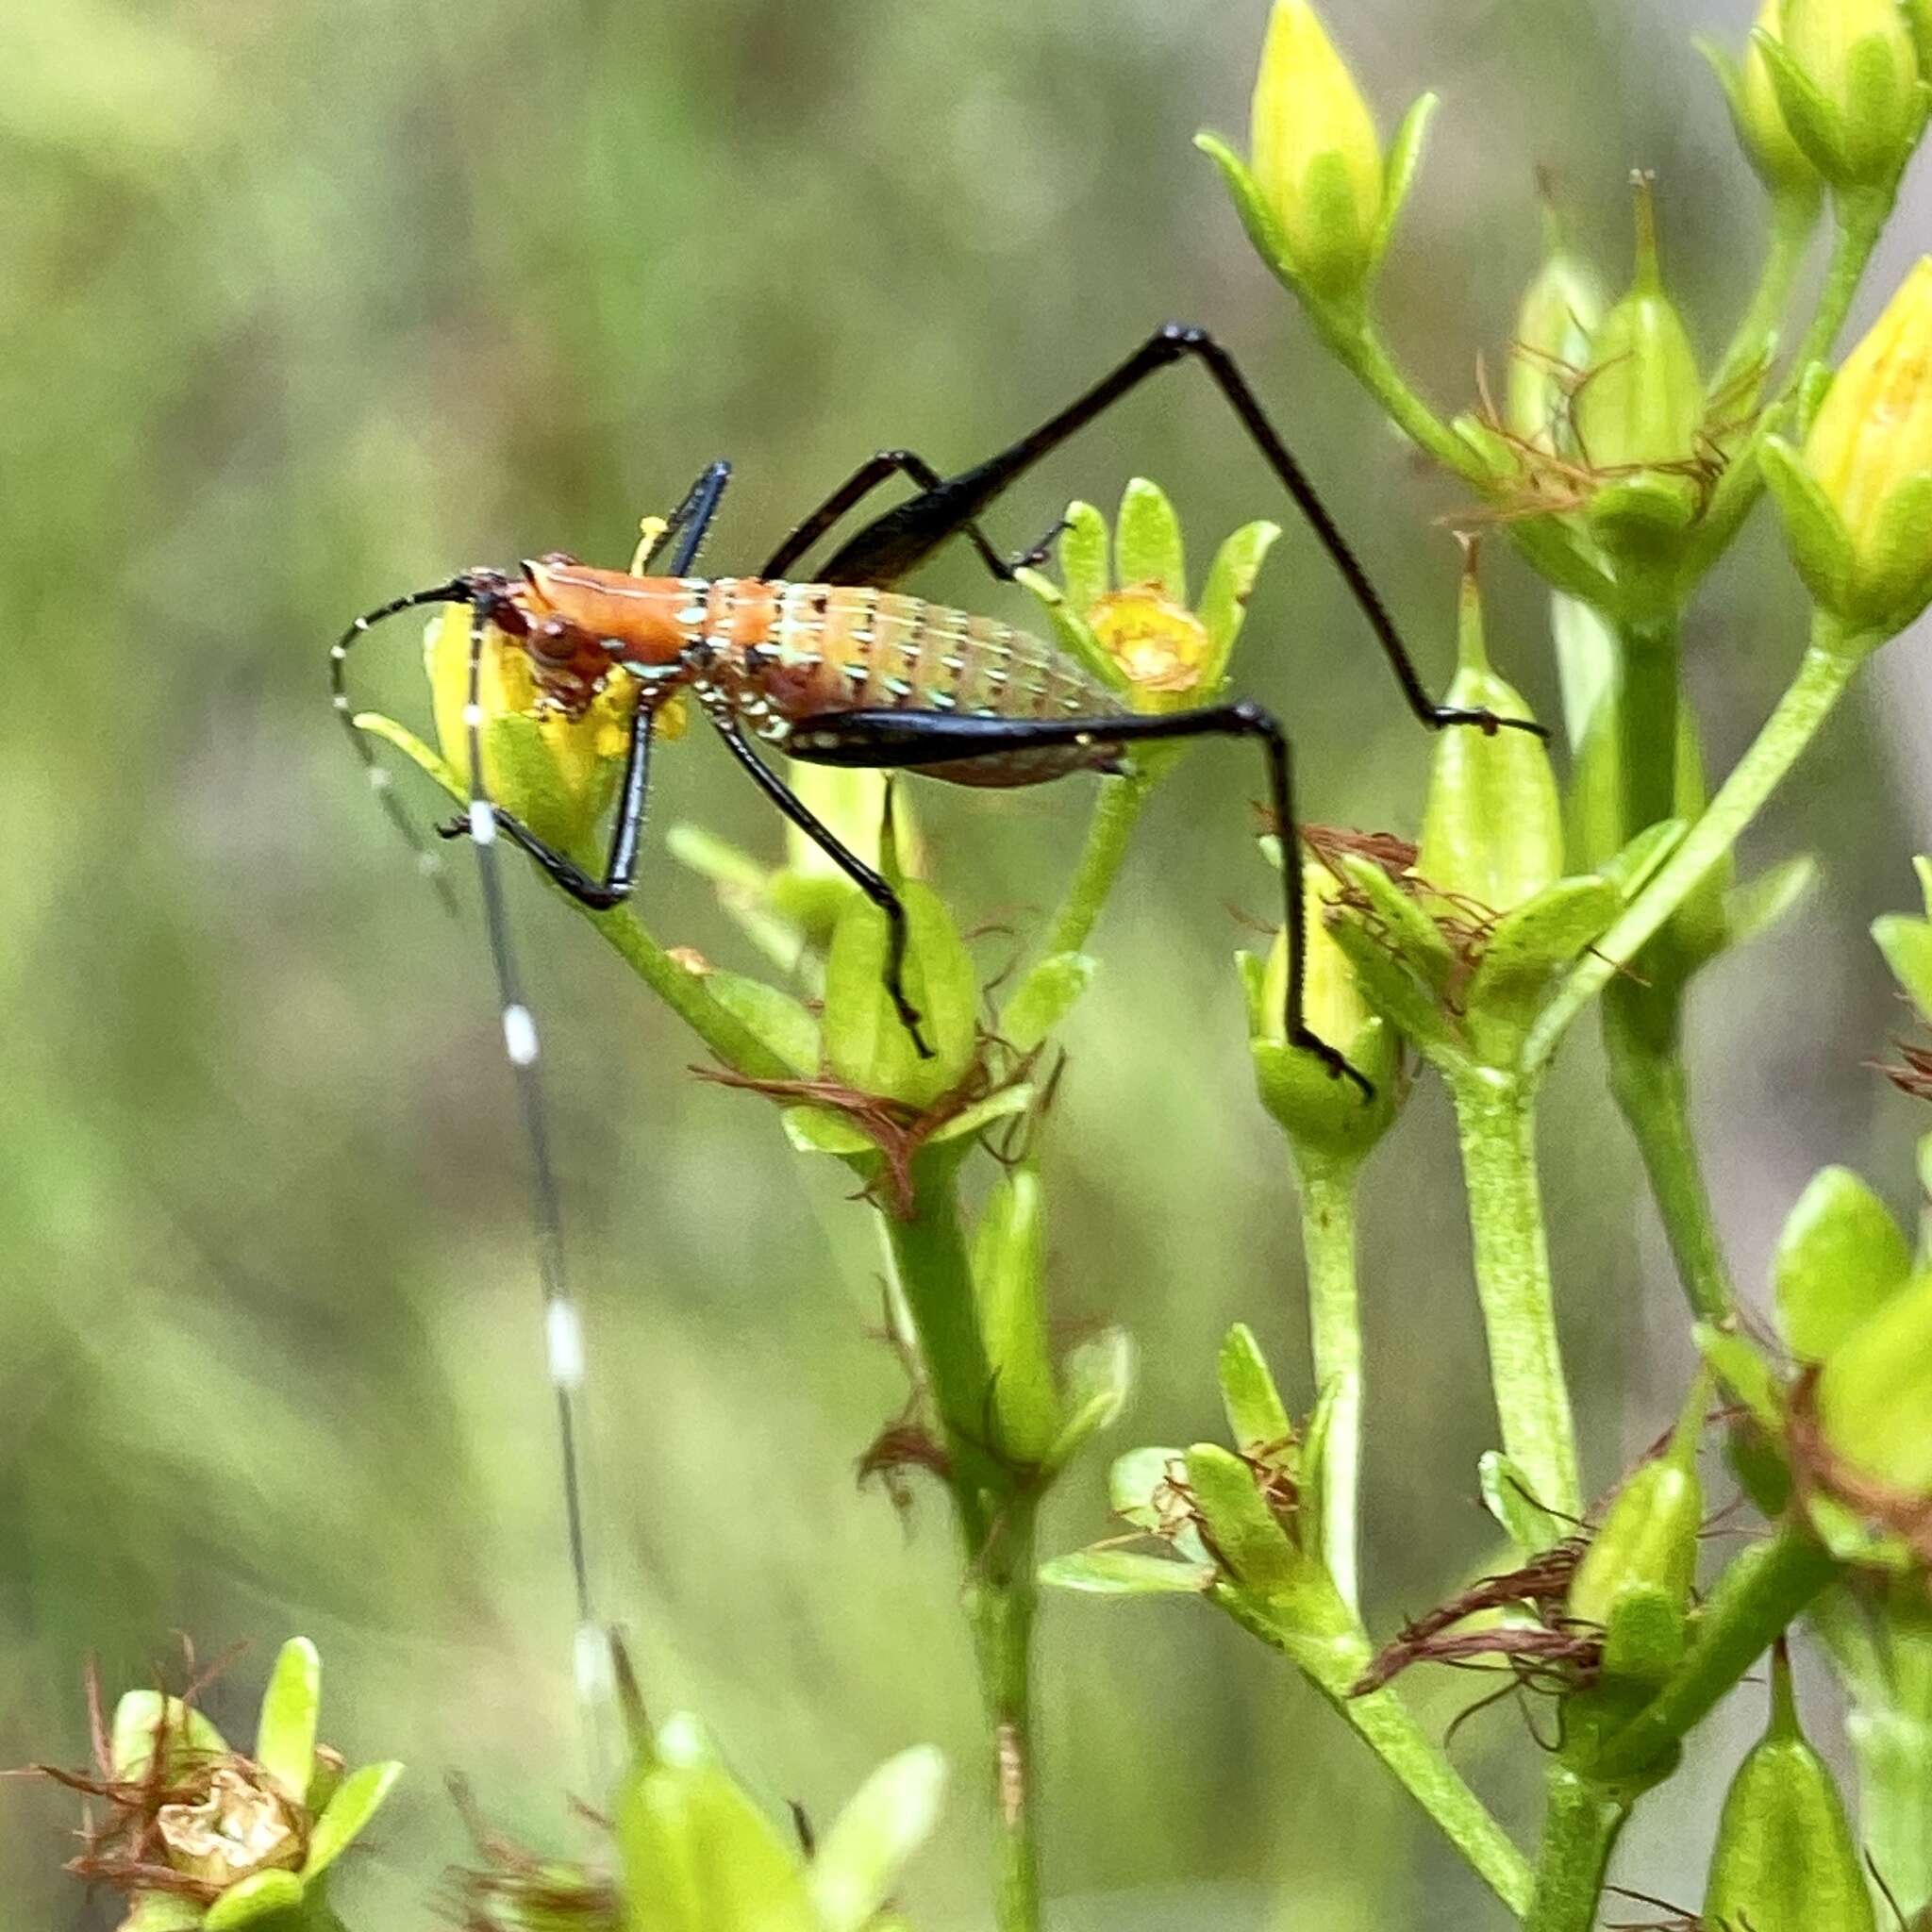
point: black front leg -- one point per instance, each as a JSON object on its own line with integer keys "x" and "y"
{"x": 907, "y": 740}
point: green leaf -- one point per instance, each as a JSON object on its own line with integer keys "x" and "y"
{"x": 995, "y": 1107}
{"x": 1255, "y": 1414}
{"x": 724, "y": 864}
{"x": 1758, "y": 904}
{"x": 1526, "y": 949}
{"x": 285, "y": 1737}
{"x": 887, "y": 1819}
{"x": 1127, "y": 1572}
{"x": 188, "y": 1738}
{"x": 1814, "y": 531}
{"x": 1140, "y": 1490}
{"x": 771, "y": 1017}
{"x": 1045, "y": 998}
{"x": 358, "y": 1799}
{"x": 1241, "y": 1529}
{"x": 697, "y": 1855}
{"x": 1407, "y": 930}
{"x": 1098, "y": 1375}
{"x": 252, "y": 1898}
{"x": 1508, "y": 1497}
{"x": 1744, "y": 1372}
{"x": 1085, "y": 552}
{"x": 412, "y": 747}
{"x": 1840, "y": 1256}
{"x": 1225, "y": 596}
{"x": 867, "y": 1044}
{"x": 1147, "y": 545}
{"x": 1268, "y": 241}
{"x": 821, "y": 1130}
{"x": 1073, "y": 635}
{"x": 1313, "y": 1471}
{"x": 1399, "y": 170}
{"x": 161, "y": 1911}
{"x": 1634, "y": 866}
{"x": 1390, "y": 985}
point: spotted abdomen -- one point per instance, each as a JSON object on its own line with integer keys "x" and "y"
{"x": 834, "y": 647}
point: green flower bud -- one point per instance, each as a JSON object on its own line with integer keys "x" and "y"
{"x": 1874, "y": 1393}
{"x": 1847, "y": 78}
{"x": 1560, "y": 312}
{"x": 1317, "y": 160}
{"x": 1492, "y": 828}
{"x": 1774, "y": 154}
{"x": 1311, "y": 1106}
{"x": 1869, "y": 454}
{"x": 1635, "y": 1579}
{"x": 1786, "y": 1859}
{"x": 1010, "y": 1283}
{"x": 1642, "y": 402}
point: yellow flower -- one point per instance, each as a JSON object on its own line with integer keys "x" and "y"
{"x": 556, "y": 771}
{"x": 1161, "y": 646}
{"x": 1869, "y": 452}
{"x": 1316, "y": 158}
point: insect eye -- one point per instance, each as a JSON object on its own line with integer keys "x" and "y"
{"x": 553, "y": 643}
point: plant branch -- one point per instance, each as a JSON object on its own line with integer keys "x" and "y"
{"x": 1328, "y": 1187}
{"x": 1582, "y": 1820}
{"x": 1495, "y": 1116}
{"x": 1110, "y": 832}
{"x": 1822, "y": 675}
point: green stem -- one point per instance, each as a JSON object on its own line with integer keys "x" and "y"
{"x": 993, "y": 1509}
{"x": 1860, "y": 219}
{"x": 1495, "y": 1114}
{"x": 1647, "y": 694}
{"x": 1647, "y": 1078}
{"x": 1333, "y": 1660}
{"x": 1826, "y": 669}
{"x": 1001, "y": 1600}
{"x": 1756, "y": 1599}
{"x": 1793, "y": 219}
{"x": 1335, "y": 1333}
{"x": 684, "y": 992}
{"x": 1115, "y": 814}
{"x": 1582, "y": 1820}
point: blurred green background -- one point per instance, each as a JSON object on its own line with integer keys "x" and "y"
{"x": 307, "y": 303}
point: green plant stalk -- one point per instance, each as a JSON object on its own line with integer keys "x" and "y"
{"x": 1000, "y": 1602}
{"x": 1823, "y": 674}
{"x": 1334, "y": 1663}
{"x": 1116, "y": 813}
{"x": 1642, "y": 1012}
{"x": 1582, "y": 1820}
{"x": 1793, "y": 219}
{"x": 1774, "y": 1582}
{"x": 1328, "y": 1189}
{"x": 1495, "y": 1115}
{"x": 1647, "y": 1078}
{"x": 994, "y": 1512}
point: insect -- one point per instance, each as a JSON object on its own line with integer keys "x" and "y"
{"x": 841, "y": 669}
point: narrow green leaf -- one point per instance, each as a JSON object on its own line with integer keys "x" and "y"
{"x": 1241, "y": 1529}
{"x": 773, "y": 1018}
{"x": 413, "y": 748}
{"x": 995, "y": 1107}
{"x": 1085, "y": 552}
{"x": 820, "y": 1130}
{"x": 1099, "y": 1377}
{"x": 1255, "y": 1414}
{"x": 285, "y": 1737}
{"x": 253, "y": 1898}
{"x": 358, "y": 1799}
{"x": 1758, "y": 904}
{"x": 1840, "y": 1259}
{"x": 717, "y": 859}
{"x": 1262, "y": 231}
{"x": 1399, "y": 170}
{"x": 1127, "y": 1572}
{"x": 1072, "y": 634}
{"x": 887, "y": 1819}
{"x": 1045, "y": 998}
{"x": 1814, "y": 532}
{"x": 1147, "y": 544}
{"x": 1140, "y": 1490}
{"x": 1507, "y": 1496}
{"x": 188, "y": 1737}
{"x": 1406, "y": 929}
{"x": 1009, "y": 1278}
{"x": 1744, "y": 1372}
{"x": 1225, "y": 595}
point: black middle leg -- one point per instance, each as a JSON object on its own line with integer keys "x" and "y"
{"x": 911, "y": 739}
